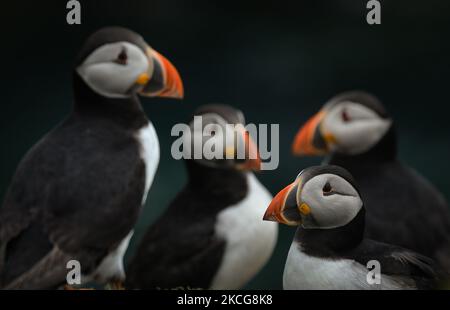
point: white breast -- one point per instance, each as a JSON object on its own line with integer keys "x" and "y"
{"x": 305, "y": 272}
{"x": 249, "y": 240}
{"x": 111, "y": 267}
{"x": 149, "y": 151}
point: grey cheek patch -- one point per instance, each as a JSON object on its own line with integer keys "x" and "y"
{"x": 291, "y": 212}
{"x": 292, "y": 215}
{"x": 156, "y": 83}
{"x": 318, "y": 140}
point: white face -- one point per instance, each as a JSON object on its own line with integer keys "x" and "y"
{"x": 355, "y": 128}
{"x": 112, "y": 69}
{"x": 217, "y": 135}
{"x": 333, "y": 201}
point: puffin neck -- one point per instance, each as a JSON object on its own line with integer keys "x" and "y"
{"x": 385, "y": 150}
{"x": 216, "y": 180}
{"x": 332, "y": 243}
{"x": 126, "y": 112}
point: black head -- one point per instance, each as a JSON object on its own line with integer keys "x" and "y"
{"x": 230, "y": 114}
{"x": 361, "y": 97}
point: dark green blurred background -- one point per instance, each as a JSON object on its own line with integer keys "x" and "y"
{"x": 276, "y": 61}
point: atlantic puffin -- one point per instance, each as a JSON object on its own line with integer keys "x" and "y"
{"x": 211, "y": 236}
{"x": 356, "y": 132}
{"x": 329, "y": 250}
{"x": 78, "y": 192}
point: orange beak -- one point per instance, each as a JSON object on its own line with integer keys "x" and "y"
{"x": 173, "y": 84}
{"x": 253, "y": 159}
{"x": 165, "y": 80}
{"x": 308, "y": 140}
{"x": 277, "y": 209}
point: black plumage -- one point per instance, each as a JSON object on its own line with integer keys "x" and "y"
{"x": 181, "y": 249}
{"x": 348, "y": 242}
{"x": 78, "y": 192}
{"x": 211, "y": 236}
{"x": 72, "y": 188}
{"x": 403, "y": 208}
{"x": 343, "y": 248}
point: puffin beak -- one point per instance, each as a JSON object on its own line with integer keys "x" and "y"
{"x": 252, "y": 157}
{"x": 283, "y": 211}
{"x": 164, "y": 81}
{"x": 309, "y": 139}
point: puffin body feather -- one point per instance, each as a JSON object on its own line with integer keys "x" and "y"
{"x": 71, "y": 199}
{"x": 249, "y": 243}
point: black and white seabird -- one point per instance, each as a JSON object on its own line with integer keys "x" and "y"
{"x": 78, "y": 192}
{"x": 403, "y": 208}
{"x": 211, "y": 236}
{"x": 329, "y": 250}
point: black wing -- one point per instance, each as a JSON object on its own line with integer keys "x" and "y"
{"x": 398, "y": 262}
{"x": 405, "y": 209}
{"x": 77, "y": 191}
{"x": 180, "y": 249}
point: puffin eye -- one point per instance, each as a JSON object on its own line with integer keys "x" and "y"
{"x": 345, "y": 116}
{"x": 122, "y": 58}
{"x": 327, "y": 190}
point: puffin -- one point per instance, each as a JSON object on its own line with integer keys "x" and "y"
{"x": 330, "y": 250}
{"x": 211, "y": 235}
{"x": 78, "y": 192}
{"x": 355, "y": 131}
